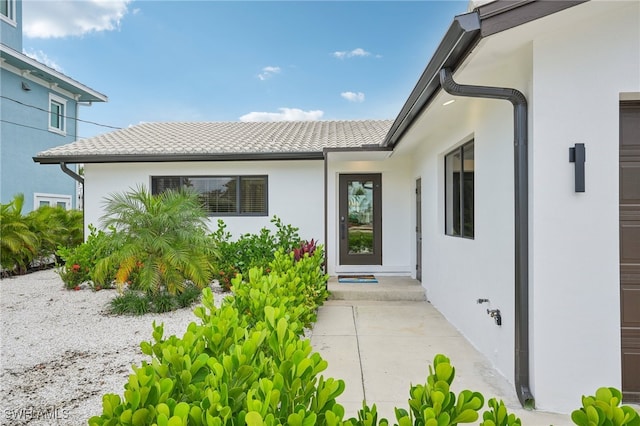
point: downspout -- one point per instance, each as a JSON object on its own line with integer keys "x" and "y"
{"x": 71, "y": 173}
{"x": 521, "y": 218}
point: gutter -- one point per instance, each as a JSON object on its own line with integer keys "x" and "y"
{"x": 521, "y": 217}
{"x": 71, "y": 173}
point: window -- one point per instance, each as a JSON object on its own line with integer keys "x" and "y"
{"x": 54, "y": 200}
{"x": 459, "y": 203}
{"x": 57, "y": 109}
{"x": 221, "y": 195}
{"x": 8, "y": 9}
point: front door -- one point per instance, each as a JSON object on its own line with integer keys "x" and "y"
{"x": 630, "y": 248}
{"x": 360, "y": 219}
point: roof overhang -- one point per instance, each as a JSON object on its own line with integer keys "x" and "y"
{"x": 165, "y": 158}
{"x": 463, "y": 35}
{"x": 33, "y": 68}
{"x": 364, "y": 153}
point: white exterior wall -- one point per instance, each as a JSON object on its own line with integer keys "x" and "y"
{"x": 398, "y": 207}
{"x": 579, "y": 73}
{"x": 295, "y": 190}
{"x": 459, "y": 271}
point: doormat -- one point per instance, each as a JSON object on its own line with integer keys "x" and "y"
{"x": 357, "y": 279}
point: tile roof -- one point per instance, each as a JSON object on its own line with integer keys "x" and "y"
{"x": 210, "y": 139}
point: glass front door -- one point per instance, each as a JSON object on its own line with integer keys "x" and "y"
{"x": 360, "y": 219}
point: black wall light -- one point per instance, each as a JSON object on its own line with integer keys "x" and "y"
{"x": 577, "y": 156}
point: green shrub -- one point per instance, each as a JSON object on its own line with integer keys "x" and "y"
{"x": 132, "y": 302}
{"x": 604, "y": 408}
{"x": 251, "y": 250}
{"x": 223, "y": 371}
{"x": 79, "y": 262}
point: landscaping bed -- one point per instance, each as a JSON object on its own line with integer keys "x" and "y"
{"x": 61, "y": 350}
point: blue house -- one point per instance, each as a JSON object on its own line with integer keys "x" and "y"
{"x": 38, "y": 110}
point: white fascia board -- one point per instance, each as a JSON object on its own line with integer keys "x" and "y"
{"x": 56, "y": 75}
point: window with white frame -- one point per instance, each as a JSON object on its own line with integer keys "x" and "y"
{"x": 8, "y": 9}
{"x": 57, "y": 114}
{"x": 221, "y": 195}
{"x": 459, "y": 166}
{"x": 53, "y": 200}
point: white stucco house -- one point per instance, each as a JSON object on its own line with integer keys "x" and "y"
{"x": 469, "y": 190}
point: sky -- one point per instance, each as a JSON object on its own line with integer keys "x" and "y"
{"x": 203, "y": 60}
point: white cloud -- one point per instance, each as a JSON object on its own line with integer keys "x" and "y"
{"x": 285, "y": 114}
{"x": 353, "y": 96}
{"x": 63, "y": 18}
{"x": 42, "y": 57}
{"x": 268, "y": 72}
{"x": 358, "y": 52}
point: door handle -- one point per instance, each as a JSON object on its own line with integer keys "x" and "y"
{"x": 342, "y": 228}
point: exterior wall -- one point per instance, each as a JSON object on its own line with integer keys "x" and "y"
{"x": 24, "y": 133}
{"x": 458, "y": 271}
{"x": 573, "y": 68}
{"x": 11, "y": 30}
{"x": 295, "y": 190}
{"x": 398, "y": 203}
{"x": 579, "y": 74}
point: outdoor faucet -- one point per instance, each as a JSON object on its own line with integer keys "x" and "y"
{"x": 495, "y": 314}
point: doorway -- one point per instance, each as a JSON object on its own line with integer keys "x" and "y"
{"x": 630, "y": 249}
{"x": 360, "y": 219}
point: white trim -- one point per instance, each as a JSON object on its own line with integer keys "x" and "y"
{"x": 52, "y": 199}
{"x": 53, "y": 73}
{"x": 63, "y": 114}
{"x": 26, "y": 74}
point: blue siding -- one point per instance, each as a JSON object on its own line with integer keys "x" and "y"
{"x": 23, "y": 133}
{"x": 11, "y": 35}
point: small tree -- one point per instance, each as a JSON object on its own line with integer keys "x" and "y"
{"x": 160, "y": 240}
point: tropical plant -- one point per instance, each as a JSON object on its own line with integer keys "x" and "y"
{"x": 55, "y": 227}
{"x": 160, "y": 239}
{"x": 78, "y": 263}
{"x": 18, "y": 243}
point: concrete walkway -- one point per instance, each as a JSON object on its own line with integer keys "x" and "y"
{"x": 379, "y": 348}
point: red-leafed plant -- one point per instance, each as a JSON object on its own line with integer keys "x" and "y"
{"x": 306, "y": 247}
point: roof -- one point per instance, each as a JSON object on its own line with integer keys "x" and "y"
{"x": 208, "y": 141}
{"x": 463, "y": 35}
{"x": 43, "y": 72}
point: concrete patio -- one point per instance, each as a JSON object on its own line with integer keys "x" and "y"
{"x": 381, "y": 338}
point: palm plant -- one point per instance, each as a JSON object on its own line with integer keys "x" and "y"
{"x": 18, "y": 244}
{"x": 56, "y": 227}
{"x": 160, "y": 241}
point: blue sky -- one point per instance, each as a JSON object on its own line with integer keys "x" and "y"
{"x": 231, "y": 61}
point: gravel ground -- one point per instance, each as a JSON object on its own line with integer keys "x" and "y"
{"x": 60, "y": 350}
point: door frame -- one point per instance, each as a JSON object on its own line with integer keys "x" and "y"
{"x": 344, "y": 257}
{"x": 419, "y": 229}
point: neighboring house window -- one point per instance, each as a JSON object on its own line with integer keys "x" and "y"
{"x": 8, "y": 9}
{"x": 57, "y": 112}
{"x": 221, "y": 195}
{"x": 459, "y": 171}
{"x": 53, "y": 200}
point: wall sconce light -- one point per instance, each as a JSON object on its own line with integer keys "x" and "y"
{"x": 26, "y": 87}
{"x": 577, "y": 156}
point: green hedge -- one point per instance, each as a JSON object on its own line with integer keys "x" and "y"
{"x": 246, "y": 363}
